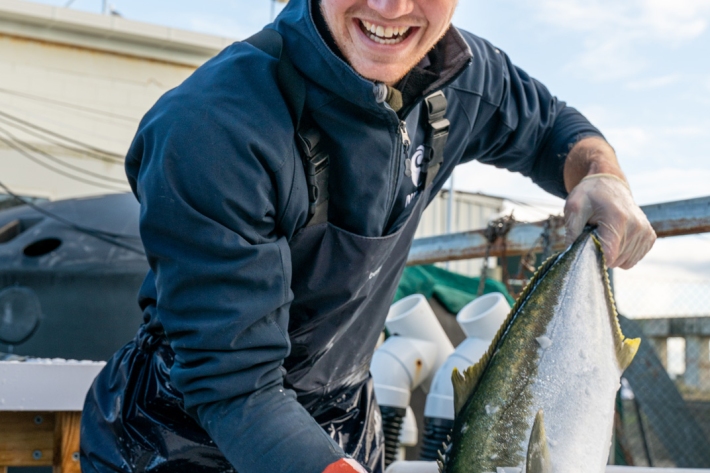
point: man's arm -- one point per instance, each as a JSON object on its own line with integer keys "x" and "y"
{"x": 599, "y": 194}
{"x": 591, "y": 155}
{"x": 212, "y": 203}
{"x": 533, "y": 133}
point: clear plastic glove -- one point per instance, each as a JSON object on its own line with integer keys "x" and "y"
{"x": 345, "y": 465}
{"x": 605, "y": 200}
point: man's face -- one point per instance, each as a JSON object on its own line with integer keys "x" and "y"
{"x": 384, "y": 39}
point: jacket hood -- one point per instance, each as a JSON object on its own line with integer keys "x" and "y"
{"x": 312, "y": 56}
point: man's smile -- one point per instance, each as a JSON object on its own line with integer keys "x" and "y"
{"x": 385, "y": 34}
{"x": 384, "y": 39}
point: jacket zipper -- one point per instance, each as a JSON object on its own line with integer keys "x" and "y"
{"x": 405, "y": 136}
{"x": 404, "y": 145}
{"x": 405, "y": 142}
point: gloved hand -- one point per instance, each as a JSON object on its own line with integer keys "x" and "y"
{"x": 605, "y": 200}
{"x": 345, "y": 465}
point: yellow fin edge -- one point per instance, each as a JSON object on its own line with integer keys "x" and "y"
{"x": 626, "y": 348}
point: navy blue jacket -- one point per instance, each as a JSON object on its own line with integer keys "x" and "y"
{"x": 222, "y": 191}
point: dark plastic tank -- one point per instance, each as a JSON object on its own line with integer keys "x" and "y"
{"x": 68, "y": 289}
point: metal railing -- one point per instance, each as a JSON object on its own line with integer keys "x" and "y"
{"x": 684, "y": 217}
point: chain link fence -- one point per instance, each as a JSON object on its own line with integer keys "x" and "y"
{"x": 664, "y": 405}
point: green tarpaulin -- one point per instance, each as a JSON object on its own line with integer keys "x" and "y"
{"x": 452, "y": 290}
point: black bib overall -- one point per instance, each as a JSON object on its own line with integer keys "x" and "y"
{"x": 343, "y": 284}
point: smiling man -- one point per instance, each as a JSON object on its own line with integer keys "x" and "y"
{"x": 384, "y": 40}
{"x": 272, "y": 268}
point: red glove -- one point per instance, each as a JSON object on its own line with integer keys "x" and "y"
{"x": 345, "y": 465}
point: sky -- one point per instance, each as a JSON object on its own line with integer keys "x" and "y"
{"x": 638, "y": 69}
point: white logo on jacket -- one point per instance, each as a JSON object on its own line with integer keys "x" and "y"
{"x": 416, "y": 164}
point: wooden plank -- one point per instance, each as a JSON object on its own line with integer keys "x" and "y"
{"x": 26, "y": 438}
{"x": 66, "y": 442}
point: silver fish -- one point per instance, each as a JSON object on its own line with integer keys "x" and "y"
{"x": 542, "y": 399}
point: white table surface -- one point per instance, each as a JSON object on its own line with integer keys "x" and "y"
{"x": 46, "y": 385}
{"x": 430, "y": 467}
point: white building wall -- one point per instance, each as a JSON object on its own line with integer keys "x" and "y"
{"x": 93, "y": 97}
{"x": 471, "y": 212}
{"x": 52, "y": 77}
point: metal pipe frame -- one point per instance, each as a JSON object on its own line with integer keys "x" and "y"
{"x": 685, "y": 217}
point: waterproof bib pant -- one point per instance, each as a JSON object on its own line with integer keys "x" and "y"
{"x": 343, "y": 284}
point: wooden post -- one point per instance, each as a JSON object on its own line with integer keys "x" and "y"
{"x": 660, "y": 345}
{"x": 26, "y": 438}
{"x": 66, "y": 442}
{"x": 704, "y": 363}
{"x": 692, "y": 361}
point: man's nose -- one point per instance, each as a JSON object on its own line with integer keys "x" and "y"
{"x": 391, "y": 9}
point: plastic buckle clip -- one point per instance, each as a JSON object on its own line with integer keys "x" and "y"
{"x": 316, "y": 166}
{"x": 437, "y": 136}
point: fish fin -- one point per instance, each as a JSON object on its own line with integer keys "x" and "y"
{"x": 465, "y": 383}
{"x": 625, "y": 348}
{"x": 626, "y": 351}
{"x": 538, "y": 460}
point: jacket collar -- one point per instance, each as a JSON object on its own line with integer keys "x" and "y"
{"x": 312, "y": 56}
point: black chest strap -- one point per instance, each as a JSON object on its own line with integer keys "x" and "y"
{"x": 316, "y": 161}
{"x": 436, "y": 137}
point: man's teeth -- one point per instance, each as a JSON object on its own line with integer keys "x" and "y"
{"x": 385, "y": 35}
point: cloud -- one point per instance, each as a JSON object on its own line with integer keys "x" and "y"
{"x": 477, "y": 177}
{"x": 629, "y": 142}
{"x": 651, "y": 148}
{"x": 653, "y": 82}
{"x": 679, "y": 19}
{"x": 655, "y": 19}
{"x": 608, "y": 59}
{"x": 669, "y": 183}
{"x": 613, "y": 31}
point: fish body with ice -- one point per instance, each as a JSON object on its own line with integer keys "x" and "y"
{"x": 542, "y": 399}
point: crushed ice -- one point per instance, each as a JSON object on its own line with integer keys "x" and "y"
{"x": 544, "y": 342}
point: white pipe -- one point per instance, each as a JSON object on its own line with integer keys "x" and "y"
{"x": 431, "y": 467}
{"x": 412, "y": 467}
{"x": 482, "y": 317}
{"x": 410, "y": 433}
{"x": 412, "y": 317}
{"x": 440, "y": 400}
{"x": 480, "y": 321}
{"x": 409, "y": 437}
{"x": 399, "y": 366}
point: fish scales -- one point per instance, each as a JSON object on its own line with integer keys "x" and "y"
{"x": 554, "y": 369}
